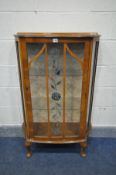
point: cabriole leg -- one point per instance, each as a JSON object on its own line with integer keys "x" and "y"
{"x": 83, "y": 149}
{"x": 28, "y": 148}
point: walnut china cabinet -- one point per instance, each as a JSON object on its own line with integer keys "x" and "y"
{"x": 57, "y": 74}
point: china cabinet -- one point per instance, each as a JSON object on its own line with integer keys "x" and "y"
{"x": 57, "y": 75}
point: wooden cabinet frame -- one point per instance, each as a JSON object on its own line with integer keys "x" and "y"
{"x": 91, "y": 42}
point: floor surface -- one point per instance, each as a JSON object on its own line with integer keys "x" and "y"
{"x": 58, "y": 159}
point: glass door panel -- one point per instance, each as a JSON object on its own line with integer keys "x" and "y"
{"x": 55, "y": 67}
{"x": 73, "y": 88}
{"x": 56, "y": 85}
{"x": 37, "y": 78}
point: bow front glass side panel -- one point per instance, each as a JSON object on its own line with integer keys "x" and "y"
{"x": 55, "y": 74}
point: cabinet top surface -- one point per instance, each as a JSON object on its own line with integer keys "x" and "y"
{"x": 77, "y": 35}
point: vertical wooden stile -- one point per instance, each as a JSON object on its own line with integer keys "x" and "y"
{"x": 64, "y": 89}
{"x": 47, "y": 89}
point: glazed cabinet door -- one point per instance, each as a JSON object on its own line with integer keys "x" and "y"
{"x": 55, "y": 87}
